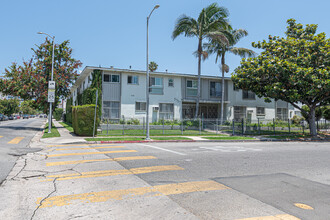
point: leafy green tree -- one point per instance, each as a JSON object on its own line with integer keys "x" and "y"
{"x": 293, "y": 69}
{"x": 209, "y": 25}
{"x": 28, "y": 107}
{"x": 326, "y": 113}
{"x": 9, "y": 106}
{"x": 30, "y": 80}
{"x": 306, "y": 112}
{"x": 220, "y": 49}
{"x": 153, "y": 66}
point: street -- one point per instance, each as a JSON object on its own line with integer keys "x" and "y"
{"x": 15, "y": 135}
{"x": 196, "y": 180}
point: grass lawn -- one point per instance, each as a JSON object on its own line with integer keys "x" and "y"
{"x": 135, "y": 138}
{"x": 229, "y": 138}
{"x": 153, "y": 133}
{"x": 54, "y": 132}
{"x": 67, "y": 126}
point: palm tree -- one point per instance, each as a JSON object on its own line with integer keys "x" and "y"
{"x": 209, "y": 24}
{"x": 220, "y": 49}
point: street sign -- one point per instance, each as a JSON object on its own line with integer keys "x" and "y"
{"x": 51, "y": 95}
{"x": 51, "y": 84}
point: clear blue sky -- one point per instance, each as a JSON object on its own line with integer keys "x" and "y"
{"x": 113, "y": 33}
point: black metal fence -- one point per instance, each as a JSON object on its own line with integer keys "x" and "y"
{"x": 201, "y": 126}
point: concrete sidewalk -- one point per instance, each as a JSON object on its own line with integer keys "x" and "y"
{"x": 67, "y": 137}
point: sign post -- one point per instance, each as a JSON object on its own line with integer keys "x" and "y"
{"x": 51, "y": 99}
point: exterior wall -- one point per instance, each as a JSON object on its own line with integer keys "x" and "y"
{"x": 129, "y": 94}
{"x": 137, "y": 93}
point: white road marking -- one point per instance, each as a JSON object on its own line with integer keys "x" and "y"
{"x": 230, "y": 149}
{"x": 159, "y": 148}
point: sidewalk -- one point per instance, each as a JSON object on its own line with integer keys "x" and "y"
{"x": 66, "y": 136}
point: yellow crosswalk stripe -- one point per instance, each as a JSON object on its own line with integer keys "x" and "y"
{"x": 101, "y": 173}
{"x": 16, "y": 140}
{"x": 99, "y": 160}
{"x": 273, "y": 217}
{"x": 90, "y": 153}
{"x": 1, "y": 136}
{"x": 79, "y": 145}
{"x": 160, "y": 190}
{"x": 86, "y": 148}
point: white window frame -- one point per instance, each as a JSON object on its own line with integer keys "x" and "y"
{"x": 110, "y": 78}
{"x": 167, "y": 113}
{"x": 110, "y": 108}
{"x": 169, "y": 83}
{"x": 157, "y": 86}
{"x": 193, "y": 87}
{"x": 215, "y": 91}
{"x": 263, "y": 112}
{"x": 250, "y": 95}
{"x": 134, "y": 80}
{"x": 138, "y": 106}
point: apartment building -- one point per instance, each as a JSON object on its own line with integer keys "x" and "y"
{"x": 173, "y": 96}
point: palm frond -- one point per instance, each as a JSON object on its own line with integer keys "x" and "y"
{"x": 239, "y": 33}
{"x": 224, "y": 67}
{"x": 242, "y": 52}
{"x": 185, "y": 25}
{"x": 218, "y": 36}
{"x": 205, "y": 54}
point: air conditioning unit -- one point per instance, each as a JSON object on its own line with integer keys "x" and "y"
{"x": 155, "y": 109}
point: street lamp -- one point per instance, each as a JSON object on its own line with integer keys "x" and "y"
{"x": 50, "y": 104}
{"x": 147, "y": 83}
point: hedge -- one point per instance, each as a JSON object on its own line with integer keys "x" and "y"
{"x": 83, "y": 120}
{"x": 68, "y": 115}
{"x": 58, "y": 114}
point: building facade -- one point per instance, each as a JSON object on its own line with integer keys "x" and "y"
{"x": 173, "y": 96}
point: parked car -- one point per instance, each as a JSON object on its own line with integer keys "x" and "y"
{"x": 10, "y": 117}
{"x": 2, "y": 117}
{"x": 26, "y": 117}
{"x": 5, "y": 118}
{"x": 18, "y": 117}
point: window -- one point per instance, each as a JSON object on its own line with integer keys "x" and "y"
{"x": 166, "y": 111}
{"x": 239, "y": 113}
{"x": 89, "y": 78}
{"x": 282, "y": 113}
{"x": 260, "y": 110}
{"x": 248, "y": 94}
{"x": 215, "y": 89}
{"x": 191, "y": 87}
{"x": 140, "y": 106}
{"x": 111, "y": 78}
{"x": 111, "y": 109}
{"x": 235, "y": 87}
{"x": 171, "y": 82}
{"x": 133, "y": 80}
{"x": 156, "y": 86}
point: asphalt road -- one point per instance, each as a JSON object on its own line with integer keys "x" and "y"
{"x": 195, "y": 180}
{"x": 278, "y": 174}
{"x": 15, "y": 136}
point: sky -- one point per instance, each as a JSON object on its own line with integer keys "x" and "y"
{"x": 113, "y": 32}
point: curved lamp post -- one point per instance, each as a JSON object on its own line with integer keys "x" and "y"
{"x": 147, "y": 83}
{"x": 50, "y": 104}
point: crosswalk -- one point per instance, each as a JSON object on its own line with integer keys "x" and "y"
{"x": 94, "y": 168}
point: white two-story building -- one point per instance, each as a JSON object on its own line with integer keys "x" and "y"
{"x": 173, "y": 96}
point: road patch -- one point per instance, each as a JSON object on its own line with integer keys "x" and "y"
{"x": 88, "y": 153}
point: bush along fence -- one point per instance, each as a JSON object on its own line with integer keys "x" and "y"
{"x": 201, "y": 126}
{"x": 83, "y": 120}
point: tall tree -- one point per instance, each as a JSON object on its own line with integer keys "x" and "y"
{"x": 293, "y": 69}
{"x": 153, "y": 66}
{"x": 220, "y": 49}
{"x": 209, "y": 25}
{"x": 30, "y": 80}
{"x": 9, "y": 106}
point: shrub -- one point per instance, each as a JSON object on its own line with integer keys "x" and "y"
{"x": 83, "y": 120}
{"x": 58, "y": 114}
{"x": 297, "y": 120}
{"x": 68, "y": 115}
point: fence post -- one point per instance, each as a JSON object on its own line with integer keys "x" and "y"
{"x": 289, "y": 126}
{"x": 143, "y": 126}
{"x": 94, "y": 115}
{"x": 124, "y": 128}
{"x": 202, "y": 122}
{"x": 182, "y": 127}
{"x": 233, "y": 127}
{"x": 163, "y": 125}
{"x": 217, "y": 123}
{"x": 303, "y": 126}
{"x": 242, "y": 126}
{"x": 274, "y": 126}
{"x": 107, "y": 126}
{"x": 259, "y": 126}
{"x": 317, "y": 125}
{"x": 199, "y": 125}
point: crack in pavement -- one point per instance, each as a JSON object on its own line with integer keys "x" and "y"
{"x": 41, "y": 201}
{"x": 25, "y": 163}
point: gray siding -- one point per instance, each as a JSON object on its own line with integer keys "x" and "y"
{"x": 111, "y": 92}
